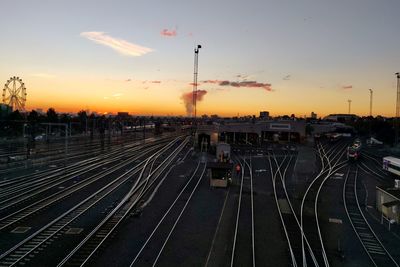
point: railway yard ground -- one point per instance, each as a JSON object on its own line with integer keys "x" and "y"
{"x": 148, "y": 202}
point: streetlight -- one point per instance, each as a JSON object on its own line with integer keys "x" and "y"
{"x": 349, "y": 105}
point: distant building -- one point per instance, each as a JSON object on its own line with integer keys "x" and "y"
{"x": 246, "y": 133}
{"x": 264, "y": 115}
{"x": 341, "y": 117}
{"x": 214, "y": 116}
{"x": 313, "y": 115}
{"x": 123, "y": 114}
{"x": 5, "y": 110}
{"x": 40, "y": 111}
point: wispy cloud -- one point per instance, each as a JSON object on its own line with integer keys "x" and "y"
{"x": 346, "y": 87}
{"x": 113, "y": 96}
{"x": 43, "y": 75}
{"x": 246, "y": 84}
{"x": 121, "y": 46}
{"x": 287, "y": 77}
{"x": 155, "y": 81}
{"x": 244, "y": 77}
{"x": 168, "y": 33}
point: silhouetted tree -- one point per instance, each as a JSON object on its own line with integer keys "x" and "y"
{"x": 378, "y": 127}
{"x": 92, "y": 118}
{"x": 33, "y": 119}
{"x": 83, "y": 117}
{"x": 65, "y": 118}
{"x": 15, "y": 122}
{"x": 52, "y": 115}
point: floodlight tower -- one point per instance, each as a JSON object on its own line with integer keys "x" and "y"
{"x": 371, "y": 92}
{"x": 196, "y": 66}
{"x": 396, "y": 122}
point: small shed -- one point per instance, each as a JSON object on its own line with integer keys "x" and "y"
{"x": 220, "y": 173}
{"x": 388, "y": 202}
{"x": 223, "y": 152}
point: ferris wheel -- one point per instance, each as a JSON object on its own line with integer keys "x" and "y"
{"x": 14, "y": 93}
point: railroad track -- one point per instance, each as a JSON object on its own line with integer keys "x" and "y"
{"x": 170, "y": 219}
{"x": 18, "y": 195}
{"x": 83, "y": 252}
{"x": 57, "y": 155}
{"x": 42, "y": 237}
{"x": 287, "y": 213}
{"x": 115, "y": 151}
{"x": 244, "y": 225}
{"x": 287, "y": 225}
{"x": 370, "y": 242}
{"x": 371, "y": 165}
{"x": 31, "y": 209}
{"x": 331, "y": 161}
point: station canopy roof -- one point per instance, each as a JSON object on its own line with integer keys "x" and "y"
{"x": 391, "y": 203}
{"x": 394, "y": 192}
{"x": 219, "y": 165}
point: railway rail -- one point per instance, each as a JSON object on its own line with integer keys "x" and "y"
{"x": 372, "y": 245}
{"x": 244, "y": 224}
{"x": 42, "y": 237}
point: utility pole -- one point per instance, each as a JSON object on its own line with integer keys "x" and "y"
{"x": 396, "y": 122}
{"x": 349, "y": 105}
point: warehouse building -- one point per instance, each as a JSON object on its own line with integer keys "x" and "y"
{"x": 252, "y": 133}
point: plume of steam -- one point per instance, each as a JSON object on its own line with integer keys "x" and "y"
{"x": 188, "y": 100}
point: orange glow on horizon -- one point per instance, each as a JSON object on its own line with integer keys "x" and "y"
{"x": 106, "y": 96}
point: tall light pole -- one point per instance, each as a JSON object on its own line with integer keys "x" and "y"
{"x": 196, "y": 65}
{"x": 371, "y": 92}
{"x": 370, "y": 112}
{"x": 349, "y": 105}
{"x": 396, "y": 122}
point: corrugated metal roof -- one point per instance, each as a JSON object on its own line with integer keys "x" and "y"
{"x": 392, "y": 160}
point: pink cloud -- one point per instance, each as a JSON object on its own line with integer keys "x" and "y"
{"x": 346, "y": 87}
{"x": 211, "y": 81}
{"x": 188, "y": 99}
{"x": 191, "y": 84}
{"x": 155, "y": 81}
{"x": 246, "y": 84}
{"x": 168, "y": 33}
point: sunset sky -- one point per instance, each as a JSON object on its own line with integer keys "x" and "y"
{"x": 283, "y": 56}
